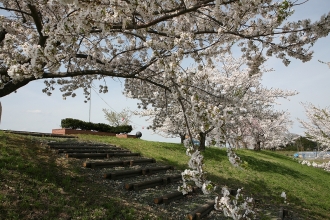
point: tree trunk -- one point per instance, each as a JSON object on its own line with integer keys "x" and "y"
{"x": 182, "y": 137}
{"x": 257, "y": 146}
{"x": 244, "y": 144}
{"x": 202, "y": 140}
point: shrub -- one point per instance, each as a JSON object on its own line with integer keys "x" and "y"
{"x": 78, "y": 124}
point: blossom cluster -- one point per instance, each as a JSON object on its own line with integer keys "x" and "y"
{"x": 283, "y": 195}
{"x": 233, "y": 158}
{"x": 237, "y": 207}
{"x": 196, "y": 173}
{"x": 228, "y": 105}
{"x": 324, "y": 165}
{"x": 90, "y": 40}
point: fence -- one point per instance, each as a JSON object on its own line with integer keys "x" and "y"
{"x": 312, "y": 155}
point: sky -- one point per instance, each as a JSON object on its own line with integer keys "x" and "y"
{"x": 31, "y": 110}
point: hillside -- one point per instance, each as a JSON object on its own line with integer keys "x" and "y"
{"x": 37, "y": 183}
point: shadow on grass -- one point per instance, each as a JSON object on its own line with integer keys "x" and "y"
{"x": 261, "y": 165}
{"x": 270, "y": 201}
{"x": 270, "y": 164}
{"x": 39, "y": 186}
{"x": 274, "y": 154}
{"x": 172, "y": 147}
{"x": 174, "y": 163}
{"x": 217, "y": 154}
{"x": 263, "y": 178}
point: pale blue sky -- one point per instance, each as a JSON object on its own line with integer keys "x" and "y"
{"x": 31, "y": 110}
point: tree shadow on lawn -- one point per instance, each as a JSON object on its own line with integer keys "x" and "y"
{"x": 176, "y": 165}
{"x": 261, "y": 165}
{"x": 268, "y": 198}
{"x": 217, "y": 154}
{"x": 172, "y": 147}
{"x": 274, "y": 154}
{"x": 258, "y": 164}
{"x": 255, "y": 164}
{"x": 267, "y": 193}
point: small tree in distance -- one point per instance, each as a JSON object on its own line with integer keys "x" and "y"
{"x": 117, "y": 118}
{"x": 166, "y": 122}
{"x": 317, "y": 125}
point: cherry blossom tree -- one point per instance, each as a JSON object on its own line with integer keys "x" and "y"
{"x": 168, "y": 122}
{"x": 218, "y": 99}
{"x": 117, "y": 118}
{"x": 72, "y": 43}
{"x": 317, "y": 125}
{"x": 172, "y": 130}
{"x": 227, "y": 104}
{"x": 267, "y": 131}
{"x": 168, "y": 129}
{"x": 88, "y": 40}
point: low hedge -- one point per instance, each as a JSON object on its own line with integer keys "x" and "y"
{"x": 78, "y": 124}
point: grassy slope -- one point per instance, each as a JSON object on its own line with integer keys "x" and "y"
{"x": 35, "y": 184}
{"x": 267, "y": 175}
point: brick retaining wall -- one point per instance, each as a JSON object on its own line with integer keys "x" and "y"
{"x": 73, "y": 131}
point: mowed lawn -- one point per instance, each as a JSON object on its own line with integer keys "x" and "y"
{"x": 266, "y": 174}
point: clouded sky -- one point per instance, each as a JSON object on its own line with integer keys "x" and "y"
{"x": 31, "y": 110}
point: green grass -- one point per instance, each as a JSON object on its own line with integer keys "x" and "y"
{"x": 35, "y": 184}
{"x": 265, "y": 177}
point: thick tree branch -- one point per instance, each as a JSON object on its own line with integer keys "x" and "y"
{"x": 37, "y": 20}
{"x": 2, "y": 35}
{"x": 12, "y": 86}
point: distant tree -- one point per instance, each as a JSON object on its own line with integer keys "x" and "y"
{"x": 171, "y": 130}
{"x": 301, "y": 144}
{"x": 318, "y": 125}
{"x": 117, "y": 119}
{"x": 270, "y": 130}
{"x": 168, "y": 122}
{"x": 224, "y": 104}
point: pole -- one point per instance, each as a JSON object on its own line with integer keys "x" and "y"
{"x": 90, "y": 102}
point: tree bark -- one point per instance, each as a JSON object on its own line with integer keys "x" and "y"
{"x": 257, "y": 146}
{"x": 182, "y": 137}
{"x": 202, "y": 140}
{"x": 13, "y": 86}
